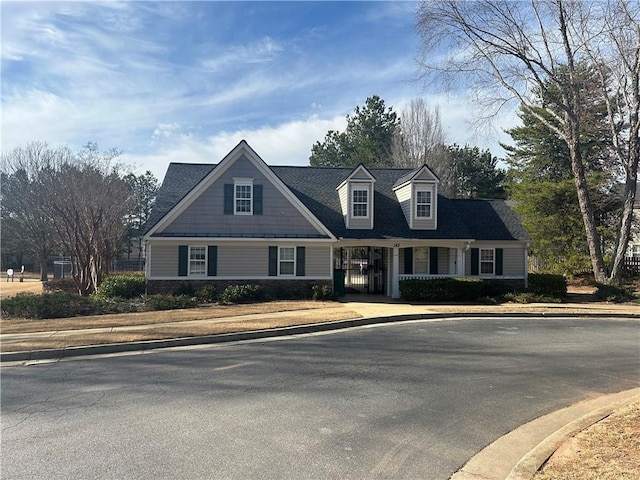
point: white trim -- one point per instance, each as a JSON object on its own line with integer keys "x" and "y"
{"x": 493, "y": 262}
{"x": 206, "y": 254}
{"x": 295, "y": 261}
{"x": 242, "y": 182}
{"x": 416, "y": 174}
{"x": 350, "y": 178}
{"x": 218, "y": 170}
{"x": 352, "y": 203}
{"x": 419, "y": 188}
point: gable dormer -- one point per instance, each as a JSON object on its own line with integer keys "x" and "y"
{"x": 356, "y": 195}
{"x": 417, "y": 193}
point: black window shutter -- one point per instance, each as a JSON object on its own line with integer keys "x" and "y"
{"x": 257, "y": 199}
{"x": 408, "y": 261}
{"x": 475, "y": 261}
{"x": 183, "y": 260}
{"x": 499, "y": 261}
{"x": 228, "y": 199}
{"x": 273, "y": 261}
{"x": 433, "y": 260}
{"x": 212, "y": 261}
{"x": 300, "y": 260}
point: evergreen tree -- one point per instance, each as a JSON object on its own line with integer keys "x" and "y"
{"x": 368, "y": 138}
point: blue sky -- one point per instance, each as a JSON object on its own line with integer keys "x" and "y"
{"x": 186, "y": 81}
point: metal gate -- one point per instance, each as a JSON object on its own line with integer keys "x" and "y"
{"x": 362, "y": 269}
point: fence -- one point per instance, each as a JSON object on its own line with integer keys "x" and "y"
{"x": 632, "y": 266}
{"x": 125, "y": 265}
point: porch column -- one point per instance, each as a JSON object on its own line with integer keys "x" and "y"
{"x": 526, "y": 266}
{"x": 460, "y": 262}
{"x": 395, "y": 272}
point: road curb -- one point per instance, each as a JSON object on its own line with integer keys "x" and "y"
{"x": 519, "y": 454}
{"x": 58, "y": 354}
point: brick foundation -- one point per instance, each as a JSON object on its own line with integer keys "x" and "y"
{"x": 276, "y": 289}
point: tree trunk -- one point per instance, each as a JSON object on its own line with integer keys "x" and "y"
{"x": 43, "y": 271}
{"x": 586, "y": 208}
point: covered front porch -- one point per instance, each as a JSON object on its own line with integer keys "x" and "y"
{"x": 378, "y": 268}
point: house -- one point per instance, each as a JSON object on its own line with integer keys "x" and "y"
{"x": 354, "y": 230}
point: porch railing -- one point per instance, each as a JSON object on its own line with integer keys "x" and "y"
{"x": 424, "y": 276}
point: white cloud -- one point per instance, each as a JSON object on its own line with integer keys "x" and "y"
{"x": 286, "y": 144}
{"x": 262, "y": 51}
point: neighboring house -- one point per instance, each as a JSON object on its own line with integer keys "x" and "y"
{"x": 360, "y": 229}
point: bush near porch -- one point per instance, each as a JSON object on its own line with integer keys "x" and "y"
{"x": 441, "y": 289}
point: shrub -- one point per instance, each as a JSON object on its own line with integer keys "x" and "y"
{"x": 241, "y": 294}
{"x": 530, "y": 297}
{"x": 441, "y": 289}
{"x": 67, "y": 285}
{"x": 48, "y": 305}
{"x": 322, "y": 292}
{"x": 123, "y": 285}
{"x": 208, "y": 293}
{"x": 184, "y": 289}
{"x": 548, "y": 284}
{"x": 615, "y": 293}
{"x": 170, "y": 302}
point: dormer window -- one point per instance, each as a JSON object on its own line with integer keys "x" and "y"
{"x": 357, "y": 197}
{"x": 360, "y": 203}
{"x": 423, "y": 203}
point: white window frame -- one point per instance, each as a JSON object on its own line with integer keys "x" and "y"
{"x": 418, "y": 204}
{"x": 240, "y": 183}
{"x": 201, "y": 272}
{"x": 421, "y": 259}
{"x": 292, "y": 261}
{"x": 366, "y": 203}
{"x": 492, "y": 262}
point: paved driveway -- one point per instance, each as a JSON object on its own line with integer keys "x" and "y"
{"x": 412, "y": 400}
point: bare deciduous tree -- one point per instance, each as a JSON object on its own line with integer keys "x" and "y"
{"x": 25, "y": 221}
{"x": 420, "y": 140}
{"x": 523, "y": 51}
{"x": 90, "y": 202}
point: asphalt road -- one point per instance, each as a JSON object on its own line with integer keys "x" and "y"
{"x": 412, "y": 400}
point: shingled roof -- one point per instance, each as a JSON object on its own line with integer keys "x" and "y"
{"x": 315, "y": 187}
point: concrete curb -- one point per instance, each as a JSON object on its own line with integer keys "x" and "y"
{"x": 57, "y": 354}
{"x": 512, "y": 457}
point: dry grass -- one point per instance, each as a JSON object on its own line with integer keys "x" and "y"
{"x": 9, "y": 289}
{"x": 608, "y": 450}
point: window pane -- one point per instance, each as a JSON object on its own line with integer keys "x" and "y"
{"x": 243, "y": 198}
{"x": 360, "y": 210}
{"x": 197, "y": 263}
{"x": 423, "y": 204}
{"x": 486, "y": 267}
{"x": 286, "y": 268}
{"x": 486, "y": 255}
{"x": 420, "y": 260}
{"x": 287, "y": 253}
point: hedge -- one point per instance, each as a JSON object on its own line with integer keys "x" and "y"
{"x": 548, "y": 284}
{"x": 122, "y": 285}
{"x": 441, "y": 289}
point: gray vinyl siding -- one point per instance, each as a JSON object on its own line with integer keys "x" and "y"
{"x": 426, "y": 224}
{"x": 404, "y": 198}
{"x": 164, "y": 260}
{"x": 243, "y": 260}
{"x": 248, "y": 260}
{"x": 318, "y": 261}
{"x": 344, "y": 201}
{"x": 512, "y": 261}
{"x": 206, "y": 214}
{"x": 361, "y": 223}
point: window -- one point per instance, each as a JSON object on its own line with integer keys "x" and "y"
{"x": 421, "y": 260}
{"x": 423, "y": 204}
{"x": 487, "y": 261}
{"x": 198, "y": 261}
{"x": 360, "y": 203}
{"x": 287, "y": 260}
{"x": 243, "y": 199}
